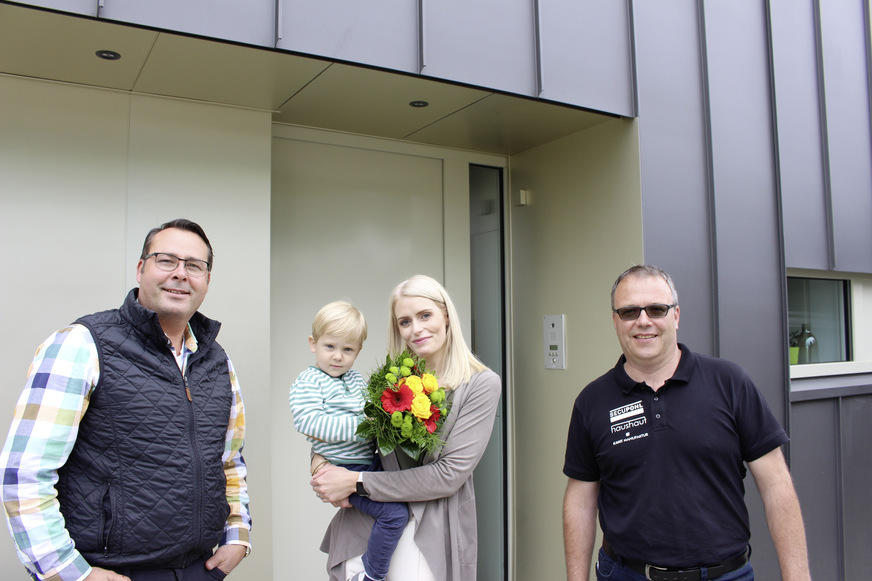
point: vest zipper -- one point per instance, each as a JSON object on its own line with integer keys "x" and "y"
{"x": 107, "y": 523}
{"x": 197, "y": 460}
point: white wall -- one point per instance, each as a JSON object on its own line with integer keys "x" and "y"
{"x": 582, "y": 228}
{"x": 83, "y": 175}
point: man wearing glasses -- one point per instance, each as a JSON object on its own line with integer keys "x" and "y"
{"x": 658, "y": 447}
{"x": 124, "y": 458}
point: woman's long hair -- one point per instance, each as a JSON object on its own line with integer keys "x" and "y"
{"x": 459, "y": 363}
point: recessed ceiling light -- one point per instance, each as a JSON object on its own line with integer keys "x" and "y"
{"x": 419, "y": 104}
{"x": 109, "y": 55}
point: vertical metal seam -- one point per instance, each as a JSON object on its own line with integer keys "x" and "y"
{"x": 825, "y": 140}
{"x": 634, "y": 71}
{"x": 422, "y": 49}
{"x": 710, "y": 180}
{"x": 279, "y": 22}
{"x": 779, "y": 217}
{"x": 867, "y": 9}
{"x": 537, "y": 46}
{"x": 840, "y": 491}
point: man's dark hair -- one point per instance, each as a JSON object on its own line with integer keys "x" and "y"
{"x": 179, "y": 224}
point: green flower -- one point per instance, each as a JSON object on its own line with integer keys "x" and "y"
{"x": 390, "y": 429}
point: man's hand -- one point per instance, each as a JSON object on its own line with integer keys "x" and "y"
{"x": 98, "y": 574}
{"x": 226, "y": 558}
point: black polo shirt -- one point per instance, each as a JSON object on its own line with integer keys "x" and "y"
{"x": 671, "y": 463}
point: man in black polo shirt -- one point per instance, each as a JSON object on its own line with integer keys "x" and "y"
{"x": 659, "y": 444}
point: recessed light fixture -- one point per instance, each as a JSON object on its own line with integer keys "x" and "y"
{"x": 419, "y": 104}
{"x": 109, "y": 55}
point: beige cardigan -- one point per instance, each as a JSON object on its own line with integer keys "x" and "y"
{"x": 440, "y": 493}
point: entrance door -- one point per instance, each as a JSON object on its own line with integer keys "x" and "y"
{"x": 488, "y": 342}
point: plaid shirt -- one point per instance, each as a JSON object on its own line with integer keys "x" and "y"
{"x": 43, "y": 434}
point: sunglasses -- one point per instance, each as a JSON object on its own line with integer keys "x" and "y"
{"x": 653, "y": 312}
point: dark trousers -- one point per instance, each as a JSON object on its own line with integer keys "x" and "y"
{"x": 390, "y": 521}
{"x": 196, "y": 571}
{"x": 607, "y": 569}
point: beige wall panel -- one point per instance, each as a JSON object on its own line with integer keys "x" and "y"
{"x": 63, "y": 152}
{"x": 458, "y": 278}
{"x": 582, "y": 228}
{"x": 211, "y": 164}
{"x": 86, "y": 172}
{"x": 62, "y": 222}
{"x": 348, "y": 223}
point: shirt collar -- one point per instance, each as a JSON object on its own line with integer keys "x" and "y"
{"x": 190, "y": 341}
{"x": 682, "y": 374}
{"x": 339, "y": 377}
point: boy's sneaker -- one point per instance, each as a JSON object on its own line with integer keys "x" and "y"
{"x": 361, "y": 577}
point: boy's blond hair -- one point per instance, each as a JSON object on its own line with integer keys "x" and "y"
{"x": 342, "y": 319}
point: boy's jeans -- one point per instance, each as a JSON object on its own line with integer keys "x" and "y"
{"x": 390, "y": 520}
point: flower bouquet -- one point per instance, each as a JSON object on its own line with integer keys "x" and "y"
{"x": 404, "y": 408}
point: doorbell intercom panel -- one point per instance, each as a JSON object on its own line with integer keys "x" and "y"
{"x": 555, "y": 341}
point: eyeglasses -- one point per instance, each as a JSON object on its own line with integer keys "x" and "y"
{"x": 170, "y": 262}
{"x": 653, "y": 312}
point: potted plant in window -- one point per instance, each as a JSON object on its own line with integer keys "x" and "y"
{"x": 794, "y": 346}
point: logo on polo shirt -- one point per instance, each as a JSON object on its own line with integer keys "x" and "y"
{"x": 625, "y": 419}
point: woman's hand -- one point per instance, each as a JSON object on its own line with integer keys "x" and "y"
{"x": 317, "y": 463}
{"x": 334, "y": 484}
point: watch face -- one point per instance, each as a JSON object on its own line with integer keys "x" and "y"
{"x": 361, "y": 491}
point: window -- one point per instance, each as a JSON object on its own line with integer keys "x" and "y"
{"x": 819, "y": 319}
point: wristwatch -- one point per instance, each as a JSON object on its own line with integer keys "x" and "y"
{"x": 361, "y": 491}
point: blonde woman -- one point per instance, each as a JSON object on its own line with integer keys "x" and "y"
{"x": 440, "y": 541}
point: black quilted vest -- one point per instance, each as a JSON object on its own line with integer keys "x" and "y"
{"x": 144, "y": 484}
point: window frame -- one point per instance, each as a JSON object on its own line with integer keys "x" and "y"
{"x": 859, "y": 309}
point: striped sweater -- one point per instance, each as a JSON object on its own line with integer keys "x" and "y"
{"x": 327, "y": 411}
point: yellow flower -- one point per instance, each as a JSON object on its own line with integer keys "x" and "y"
{"x": 414, "y": 383}
{"x": 430, "y": 383}
{"x": 421, "y": 407}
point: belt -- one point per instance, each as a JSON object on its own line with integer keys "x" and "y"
{"x": 655, "y": 573}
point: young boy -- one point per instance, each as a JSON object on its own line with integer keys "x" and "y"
{"x": 327, "y": 402}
